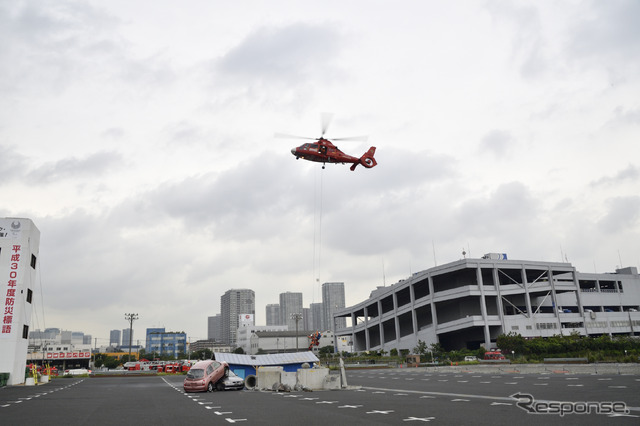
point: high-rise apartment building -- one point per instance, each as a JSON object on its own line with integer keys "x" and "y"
{"x": 291, "y": 303}
{"x": 214, "y": 328}
{"x": 332, "y": 300}
{"x": 306, "y": 318}
{"x": 233, "y": 303}
{"x": 114, "y": 338}
{"x": 273, "y": 314}
{"x": 316, "y": 317}
{"x": 125, "y": 337}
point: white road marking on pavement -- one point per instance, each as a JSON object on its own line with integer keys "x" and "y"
{"x": 235, "y": 420}
{"x": 380, "y": 412}
{"x": 350, "y": 406}
{"x": 420, "y": 419}
{"x": 501, "y": 403}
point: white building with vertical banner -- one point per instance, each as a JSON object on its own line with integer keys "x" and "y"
{"x": 19, "y": 249}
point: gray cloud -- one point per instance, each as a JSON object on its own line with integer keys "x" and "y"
{"x": 497, "y": 142}
{"x": 285, "y": 56}
{"x": 505, "y": 211}
{"x": 529, "y": 48}
{"x": 69, "y": 168}
{"x": 631, "y": 173}
{"x": 609, "y": 31}
{"x": 623, "y": 214}
{"x": 13, "y": 166}
{"x": 49, "y": 44}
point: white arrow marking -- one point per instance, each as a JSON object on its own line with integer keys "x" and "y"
{"x": 235, "y": 420}
{"x": 219, "y": 413}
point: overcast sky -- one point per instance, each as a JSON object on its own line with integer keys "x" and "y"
{"x": 139, "y": 138}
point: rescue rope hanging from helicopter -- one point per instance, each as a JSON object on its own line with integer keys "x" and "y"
{"x": 322, "y": 150}
{"x": 317, "y": 232}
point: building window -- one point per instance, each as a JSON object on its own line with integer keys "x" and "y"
{"x": 25, "y": 331}
{"x": 33, "y": 261}
{"x": 29, "y": 295}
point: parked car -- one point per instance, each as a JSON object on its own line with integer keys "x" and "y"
{"x": 470, "y": 358}
{"x": 204, "y": 375}
{"x": 230, "y": 381}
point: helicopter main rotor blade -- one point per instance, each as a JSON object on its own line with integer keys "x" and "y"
{"x": 286, "y": 136}
{"x": 352, "y": 138}
{"x": 326, "y": 118}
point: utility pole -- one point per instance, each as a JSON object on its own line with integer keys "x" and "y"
{"x": 296, "y": 317}
{"x": 131, "y": 318}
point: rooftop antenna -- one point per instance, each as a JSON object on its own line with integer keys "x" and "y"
{"x": 619, "y": 258}
{"x": 384, "y": 280}
{"x": 435, "y": 263}
{"x": 464, "y": 253}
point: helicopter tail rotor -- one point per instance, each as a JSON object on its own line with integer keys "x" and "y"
{"x": 367, "y": 159}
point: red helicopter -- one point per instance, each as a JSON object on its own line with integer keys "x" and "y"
{"x": 323, "y": 151}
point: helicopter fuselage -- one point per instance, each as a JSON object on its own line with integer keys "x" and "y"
{"x": 322, "y": 151}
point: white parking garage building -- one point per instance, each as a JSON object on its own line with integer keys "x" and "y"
{"x": 470, "y": 302}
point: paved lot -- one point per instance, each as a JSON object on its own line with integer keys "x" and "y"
{"x": 376, "y": 397}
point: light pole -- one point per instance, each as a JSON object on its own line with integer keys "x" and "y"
{"x": 131, "y": 318}
{"x": 296, "y": 317}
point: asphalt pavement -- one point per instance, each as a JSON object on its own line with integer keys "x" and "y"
{"x": 374, "y": 397}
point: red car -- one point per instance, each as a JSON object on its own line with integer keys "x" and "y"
{"x": 204, "y": 375}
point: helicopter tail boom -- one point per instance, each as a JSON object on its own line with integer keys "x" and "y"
{"x": 367, "y": 159}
